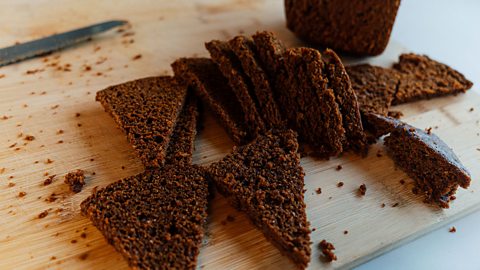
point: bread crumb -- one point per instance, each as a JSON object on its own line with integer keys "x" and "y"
{"x": 318, "y": 190}
{"x": 428, "y": 130}
{"x": 340, "y": 184}
{"x": 382, "y": 205}
{"x": 471, "y": 109}
{"x": 362, "y": 189}
{"x": 49, "y": 180}
{"x": 345, "y": 232}
{"x": 395, "y": 205}
{"x": 22, "y": 194}
{"x": 453, "y": 229}
{"x": 75, "y": 180}
{"x": 48, "y": 161}
{"x": 339, "y": 167}
{"x": 43, "y": 214}
{"x": 327, "y": 250}
{"x": 29, "y": 138}
{"x": 136, "y": 57}
{"x": 402, "y": 182}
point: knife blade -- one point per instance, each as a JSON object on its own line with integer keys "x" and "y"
{"x": 53, "y": 43}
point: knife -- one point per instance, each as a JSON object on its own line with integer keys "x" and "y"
{"x": 53, "y": 43}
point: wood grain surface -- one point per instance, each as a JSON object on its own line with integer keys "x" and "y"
{"x": 52, "y": 99}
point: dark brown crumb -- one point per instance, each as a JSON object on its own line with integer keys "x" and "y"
{"x": 136, "y": 57}
{"x": 83, "y": 235}
{"x": 123, "y": 167}
{"x": 29, "y": 138}
{"x": 92, "y": 159}
{"x": 453, "y": 198}
{"x": 79, "y": 125}
{"x": 43, "y": 214}
{"x": 60, "y": 141}
{"x": 87, "y": 68}
{"x": 75, "y": 180}
{"x": 77, "y": 114}
{"x": 471, "y": 109}
{"x": 318, "y": 190}
{"x": 327, "y": 250}
{"x": 362, "y": 189}
{"x": 33, "y": 71}
{"x": 452, "y": 229}
{"x": 5, "y": 117}
{"x": 54, "y": 107}
{"x": 345, "y": 232}
{"x": 382, "y": 205}
{"x": 60, "y": 131}
{"x": 53, "y": 197}
{"x": 22, "y": 194}
{"x": 36, "y": 162}
{"x": 48, "y": 161}
{"x": 11, "y": 177}
{"x": 428, "y": 130}
{"x": 395, "y": 205}
{"x": 340, "y": 184}
{"x": 339, "y": 167}
{"x": 49, "y": 180}
{"x": 402, "y": 182}
{"x": 53, "y": 258}
{"x": 12, "y": 145}
{"x": 73, "y": 241}
{"x": 83, "y": 256}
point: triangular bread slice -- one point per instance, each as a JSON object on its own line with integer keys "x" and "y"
{"x": 146, "y": 110}
{"x": 265, "y": 180}
{"x": 154, "y": 219}
{"x": 208, "y": 83}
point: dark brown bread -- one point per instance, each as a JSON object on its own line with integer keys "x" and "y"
{"x": 154, "y": 219}
{"x": 359, "y": 27}
{"x": 426, "y": 78}
{"x": 245, "y": 51}
{"x": 241, "y": 85}
{"x": 347, "y": 103}
{"x": 374, "y": 86}
{"x": 146, "y": 110}
{"x": 208, "y": 83}
{"x": 75, "y": 180}
{"x": 270, "y": 51}
{"x": 264, "y": 179}
{"x": 414, "y": 77}
{"x": 309, "y": 102}
{"x": 434, "y": 167}
{"x": 182, "y": 141}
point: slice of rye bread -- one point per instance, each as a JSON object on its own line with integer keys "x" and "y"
{"x": 155, "y": 219}
{"x": 241, "y": 85}
{"x": 309, "y": 101}
{"x": 270, "y": 50}
{"x": 182, "y": 141}
{"x": 414, "y": 77}
{"x": 433, "y": 166}
{"x": 245, "y": 51}
{"x": 374, "y": 86}
{"x": 347, "y": 102}
{"x": 426, "y": 78}
{"x": 208, "y": 83}
{"x": 265, "y": 180}
{"x": 146, "y": 110}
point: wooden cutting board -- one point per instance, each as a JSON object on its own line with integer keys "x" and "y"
{"x": 52, "y": 99}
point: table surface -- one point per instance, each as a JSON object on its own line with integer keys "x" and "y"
{"x": 447, "y": 31}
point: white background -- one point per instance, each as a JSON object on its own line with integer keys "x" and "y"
{"x": 447, "y": 31}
